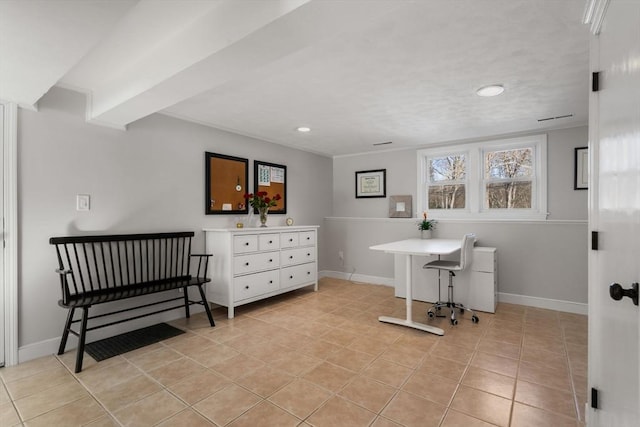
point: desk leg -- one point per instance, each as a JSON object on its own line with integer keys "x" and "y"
{"x": 408, "y": 321}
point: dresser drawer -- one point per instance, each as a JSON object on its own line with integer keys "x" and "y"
{"x": 252, "y": 285}
{"x": 245, "y": 243}
{"x": 307, "y": 238}
{"x": 267, "y": 242}
{"x": 289, "y": 240}
{"x": 244, "y": 264}
{"x": 297, "y": 256}
{"x": 298, "y": 274}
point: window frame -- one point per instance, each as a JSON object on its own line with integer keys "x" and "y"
{"x": 464, "y": 181}
{"x": 475, "y": 187}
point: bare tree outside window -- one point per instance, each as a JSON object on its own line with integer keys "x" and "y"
{"x": 508, "y": 178}
{"x": 446, "y": 182}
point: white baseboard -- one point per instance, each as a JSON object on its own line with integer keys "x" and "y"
{"x": 50, "y": 346}
{"x": 362, "y": 278}
{"x": 548, "y": 303}
{"x": 551, "y": 304}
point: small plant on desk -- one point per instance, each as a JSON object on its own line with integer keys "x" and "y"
{"x": 426, "y": 224}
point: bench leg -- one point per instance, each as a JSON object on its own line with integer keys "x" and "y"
{"x": 82, "y": 336}
{"x": 65, "y": 333}
{"x": 185, "y": 291}
{"x": 206, "y": 305}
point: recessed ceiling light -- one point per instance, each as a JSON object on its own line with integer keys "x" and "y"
{"x": 491, "y": 90}
{"x": 303, "y": 129}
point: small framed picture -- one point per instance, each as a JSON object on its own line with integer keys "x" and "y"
{"x": 400, "y": 207}
{"x": 581, "y": 171}
{"x": 371, "y": 183}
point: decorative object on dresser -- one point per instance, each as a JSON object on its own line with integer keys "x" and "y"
{"x": 101, "y": 269}
{"x": 271, "y": 178}
{"x": 400, "y": 207}
{"x": 226, "y": 179}
{"x": 255, "y": 263}
{"x": 261, "y": 202}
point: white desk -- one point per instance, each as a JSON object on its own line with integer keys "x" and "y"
{"x": 419, "y": 247}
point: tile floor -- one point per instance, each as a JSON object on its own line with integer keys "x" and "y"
{"x": 321, "y": 359}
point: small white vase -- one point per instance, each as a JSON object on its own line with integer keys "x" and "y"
{"x": 425, "y": 234}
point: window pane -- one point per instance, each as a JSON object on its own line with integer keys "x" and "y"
{"x": 509, "y": 164}
{"x": 447, "y": 196}
{"x": 509, "y": 195}
{"x": 449, "y": 168}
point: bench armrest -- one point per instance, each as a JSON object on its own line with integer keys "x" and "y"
{"x": 202, "y": 266}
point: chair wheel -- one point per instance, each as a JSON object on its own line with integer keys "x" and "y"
{"x": 430, "y": 314}
{"x": 475, "y": 319}
{"x": 454, "y": 321}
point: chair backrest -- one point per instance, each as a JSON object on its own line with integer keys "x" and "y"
{"x": 103, "y": 262}
{"x": 468, "y": 240}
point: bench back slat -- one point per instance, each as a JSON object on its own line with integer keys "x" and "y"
{"x": 99, "y": 263}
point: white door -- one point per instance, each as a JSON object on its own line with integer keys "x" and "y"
{"x": 2, "y": 284}
{"x": 614, "y": 134}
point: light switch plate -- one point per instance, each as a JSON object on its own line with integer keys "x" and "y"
{"x": 82, "y": 202}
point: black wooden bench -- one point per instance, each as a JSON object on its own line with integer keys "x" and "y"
{"x": 100, "y": 269}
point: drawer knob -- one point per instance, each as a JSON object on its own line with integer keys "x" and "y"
{"x": 308, "y": 254}
{"x": 290, "y": 277}
{"x": 246, "y": 287}
{"x": 308, "y": 272}
{"x": 308, "y": 238}
{"x": 270, "y": 281}
{"x": 290, "y": 256}
{"x": 246, "y": 263}
{"x": 291, "y": 240}
{"x": 270, "y": 260}
{"x": 270, "y": 241}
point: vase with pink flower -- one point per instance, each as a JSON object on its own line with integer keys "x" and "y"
{"x": 261, "y": 202}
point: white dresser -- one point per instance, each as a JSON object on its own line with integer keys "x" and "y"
{"x": 250, "y": 264}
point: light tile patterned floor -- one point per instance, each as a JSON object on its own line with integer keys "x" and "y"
{"x": 321, "y": 359}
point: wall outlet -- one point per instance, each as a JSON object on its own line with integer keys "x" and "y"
{"x": 83, "y": 202}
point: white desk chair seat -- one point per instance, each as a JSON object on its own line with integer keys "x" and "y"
{"x": 465, "y": 254}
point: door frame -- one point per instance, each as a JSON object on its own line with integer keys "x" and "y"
{"x": 10, "y": 215}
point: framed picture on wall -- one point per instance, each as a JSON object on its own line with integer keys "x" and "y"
{"x": 272, "y": 178}
{"x": 581, "y": 169}
{"x": 371, "y": 183}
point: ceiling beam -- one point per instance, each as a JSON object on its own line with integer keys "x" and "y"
{"x": 230, "y": 41}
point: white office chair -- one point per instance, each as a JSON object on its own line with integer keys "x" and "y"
{"x": 465, "y": 256}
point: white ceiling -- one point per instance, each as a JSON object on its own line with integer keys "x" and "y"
{"x": 358, "y": 72}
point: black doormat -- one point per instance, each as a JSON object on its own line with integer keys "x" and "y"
{"x": 113, "y": 346}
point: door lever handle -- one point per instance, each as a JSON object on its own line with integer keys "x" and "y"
{"x": 617, "y": 292}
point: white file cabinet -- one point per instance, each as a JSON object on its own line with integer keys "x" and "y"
{"x": 483, "y": 288}
{"x": 476, "y": 286}
{"x": 250, "y": 264}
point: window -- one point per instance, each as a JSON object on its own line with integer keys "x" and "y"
{"x": 446, "y": 182}
{"x": 508, "y": 178}
{"x": 493, "y": 179}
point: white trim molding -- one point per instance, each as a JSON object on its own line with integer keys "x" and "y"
{"x": 10, "y": 214}
{"x": 360, "y": 278}
{"x": 548, "y": 303}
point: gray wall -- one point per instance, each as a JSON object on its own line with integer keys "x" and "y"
{"x": 146, "y": 179}
{"x": 543, "y": 259}
{"x": 563, "y": 202}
